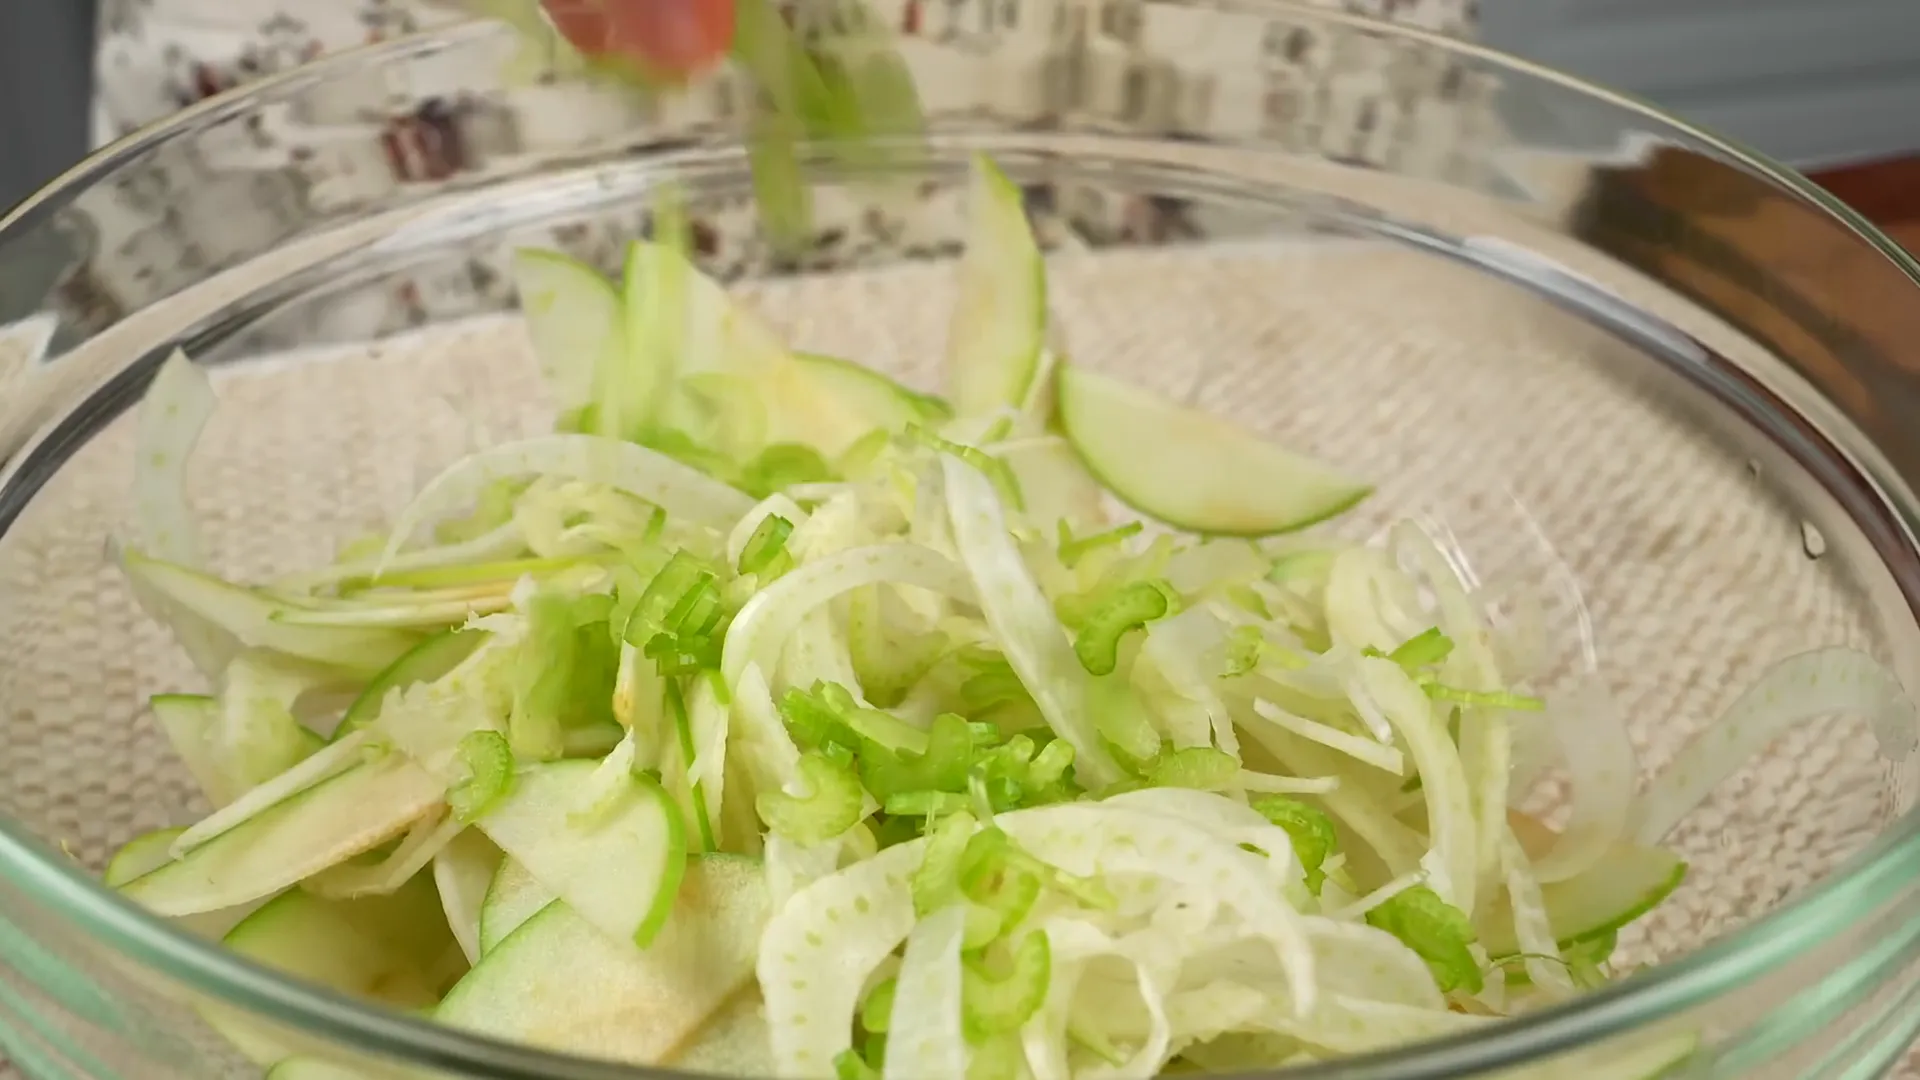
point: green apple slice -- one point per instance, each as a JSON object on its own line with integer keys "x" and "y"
{"x": 252, "y": 620}
{"x": 463, "y": 872}
{"x": 683, "y": 326}
{"x": 999, "y": 322}
{"x": 190, "y": 722}
{"x": 560, "y": 983}
{"x": 513, "y": 897}
{"x": 735, "y": 1041}
{"x": 149, "y": 852}
{"x": 1626, "y": 883}
{"x": 877, "y": 401}
{"x": 1192, "y": 470}
{"x": 140, "y": 856}
{"x": 574, "y": 318}
{"x": 394, "y": 949}
{"x": 618, "y": 864}
{"x": 425, "y": 662}
{"x": 295, "y": 838}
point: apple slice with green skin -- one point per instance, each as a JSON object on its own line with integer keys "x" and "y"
{"x": 618, "y": 864}
{"x": 250, "y": 619}
{"x": 513, "y": 897}
{"x": 394, "y": 949}
{"x": 682, "y": 325}
{"x": 1054, "y": 483}
{"x": 1192, "y": 470}
{"x": 463, "y": 871}
{"x": 1000, "y": 320}
{"x": 560, "y": 983}
{"x": 189, "y": 722}
{"x": 149, "y": 852}
{"x": 1628, "y": 881}
{"x": 140, "y": 856}
{"x": 876, "y": 400}
{"x": 295, "y": 838}
{"x": 735, "y": 1041}
{"x": 575, "y": 319}
{"x": 425, "y": 662}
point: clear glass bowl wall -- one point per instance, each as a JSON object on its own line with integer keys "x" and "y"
{"x": 1469, "y": 279}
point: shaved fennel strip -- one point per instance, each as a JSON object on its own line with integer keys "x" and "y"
{"x": 1022, "y": 620}
{"x": 1269, "y": 784}
{"x": 326, "y": 763}
{"x": 1360, "y": 612}
{"x": 1532, "y": 929}
{"x": 428, "y": 837}
{"x": 1452, "y": 859}
{"x": 1377, "y": 754}
{"x": 1358, "y": 1026}
{"x": 1074, "y": 944}
{"x": 1397, "y": 845}
{"x": 858, "y": 916}
{"x": 173, "y": 413}
{"x": 1600, "y": 759}
{"x": 776, "y": 611}
{"x": 491, "y": 546}
{"x": 1794, "y": 691}
{"x": 708, "y": 769}
{"x": 767, "y": 747}
{"x": 1094, "y": 838}
{"x": 1176, "y": 648}
{"x": 1359, "y": 960}
{"x": 1486, "y": 747}
{"x": 1359, "y": 908}
{"x": 399, "y": 616}
{"x": 680, "y": 490}
{"x": 925, "y": 1037}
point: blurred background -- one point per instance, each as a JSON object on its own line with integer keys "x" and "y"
{"x": 1825, "y": 87}
{"x": 1831, "y": 88}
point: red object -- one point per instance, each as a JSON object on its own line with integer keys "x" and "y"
{"x": 669, "y": 38}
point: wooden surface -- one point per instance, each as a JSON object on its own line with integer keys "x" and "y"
{"x": 1782, "y": 271}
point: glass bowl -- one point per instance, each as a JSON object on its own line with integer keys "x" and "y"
{"x": 1632, "y": 369}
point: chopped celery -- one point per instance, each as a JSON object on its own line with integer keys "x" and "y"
{"x": 781, "y": 466}
{"x": 831, "y": 807}
{"x": 1073, "y": 549}
{"x": 848, "y": 1065}
{"x": 1430, "y": 646}
{"x": 991, "y": 877}
{"x": 937, "y": 882}
{"x": 878, "y": 1006}
{"x": 486, "y": 763}
{"x": 1311, "y": 831}
{"x": 1127, "y": 609}
{"x": 1005, "y": 484}
{"x": 1436, "y": 930}
{"x": 999, "y": 1004}
{"x": 767, "y": 546}
{"x": 1199, "y": 767}
{"x": 1483, "y": 699}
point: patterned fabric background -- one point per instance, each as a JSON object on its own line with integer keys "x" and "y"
{"x": 1157, "y": 67}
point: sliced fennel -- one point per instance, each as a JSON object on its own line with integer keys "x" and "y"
{"x": 772, "y": 717}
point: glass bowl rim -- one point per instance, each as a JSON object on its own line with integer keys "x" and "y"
{"x": 1826, "y": 909}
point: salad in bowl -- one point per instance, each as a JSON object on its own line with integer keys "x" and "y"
{"x": 771, "y": 717}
